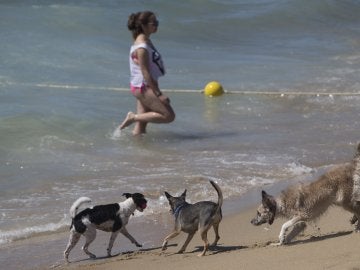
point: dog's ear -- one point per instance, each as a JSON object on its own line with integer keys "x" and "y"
{"x": 269, "y": 202}
{"x": 168, "y": 196}
{"x": 264, "y": 194}
{"x": 267, "y": 199}
{"x": 183, "y": 194}
{"x": 127, "y": 195}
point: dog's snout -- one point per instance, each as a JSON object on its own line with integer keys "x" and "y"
{"x": 256, "y": 222}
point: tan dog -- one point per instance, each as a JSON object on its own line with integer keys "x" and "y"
{"x": 307, "y": 202}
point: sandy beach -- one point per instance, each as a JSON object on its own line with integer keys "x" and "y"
{"x": 328, "y": 244}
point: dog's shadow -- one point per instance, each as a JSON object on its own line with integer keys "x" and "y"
{"x": 125, "y": 253}
{"x": 213, "y": 250}
{"x": 312, "y": 239}
{"x": 218, "y": 249}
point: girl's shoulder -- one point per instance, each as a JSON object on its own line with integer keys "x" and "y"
{"x": 139, "y": 45}
{"x": 140, "y": 42}
{"x": 135, "y": 46}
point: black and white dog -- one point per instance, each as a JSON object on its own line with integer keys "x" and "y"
{"x": 109, "y": 218}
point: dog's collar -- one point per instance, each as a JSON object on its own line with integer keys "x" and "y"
{"x": 178, "y": 209}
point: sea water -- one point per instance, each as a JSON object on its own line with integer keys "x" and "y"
{"x": 291, "y": 70}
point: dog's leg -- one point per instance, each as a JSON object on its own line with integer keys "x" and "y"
{"x": 111, "y": 242}
{"x": 355, "y": 220}
{"x": 203, "y": 234}
{"x": 357, "y": 227}
{"x": 356, "y": 177}
{"x": 90, "y": 235}
{"x": 285, "y": 227}
{"x": 298, "y": 228}
{"x": 73, "y": 239}
{"x": 217, "y": 237}
{"x": 167, "y": 238}
{"x": 130, "y": 237}
{"x": 187, "y": 241}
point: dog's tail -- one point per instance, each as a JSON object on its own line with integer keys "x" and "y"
{"x": 220, "y": 196}
{"x": 75, "y": 206}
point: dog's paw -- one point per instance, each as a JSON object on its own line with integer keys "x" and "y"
{"x": 282, "y": 240}
{"x": 353, "y": 219}
{"x": 214, "y": 244}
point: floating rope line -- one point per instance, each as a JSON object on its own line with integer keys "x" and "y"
{"x": 199, "y": 91}
{"x": 272, "y": 93}
{"x": 296, "y": 93}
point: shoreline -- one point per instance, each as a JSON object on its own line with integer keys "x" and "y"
{"x": 329, "y": 243}
{"x": 29, "y": 253}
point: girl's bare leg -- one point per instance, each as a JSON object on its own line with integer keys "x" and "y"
{"x": 154, "y": 111}
{"x": 140, "y": 127}
{"x": 157, "y": 110}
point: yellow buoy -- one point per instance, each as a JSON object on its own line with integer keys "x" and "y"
{"x": 213, "y": 89}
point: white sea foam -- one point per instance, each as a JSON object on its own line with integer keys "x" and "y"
{"x": 299, "y": 169}
{"x": 18, "y": 234}
{"x": 116, "y": 134}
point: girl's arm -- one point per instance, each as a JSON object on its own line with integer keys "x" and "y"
{"x": 143, "y": 58}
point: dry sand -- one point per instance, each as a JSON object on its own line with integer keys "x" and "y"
{"x": 328, "y": 244}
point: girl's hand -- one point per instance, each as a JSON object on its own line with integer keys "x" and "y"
{"x": 164, "y": 99}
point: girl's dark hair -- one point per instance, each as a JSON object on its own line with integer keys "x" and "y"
{"x": 136, "y": 20}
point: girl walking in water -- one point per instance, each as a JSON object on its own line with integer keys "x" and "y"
{"x": 146, "y": 66}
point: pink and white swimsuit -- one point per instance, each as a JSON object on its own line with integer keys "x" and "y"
{"x": 157, "y": 68}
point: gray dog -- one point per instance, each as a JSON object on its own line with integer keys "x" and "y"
{"x": 191, "y": 217}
